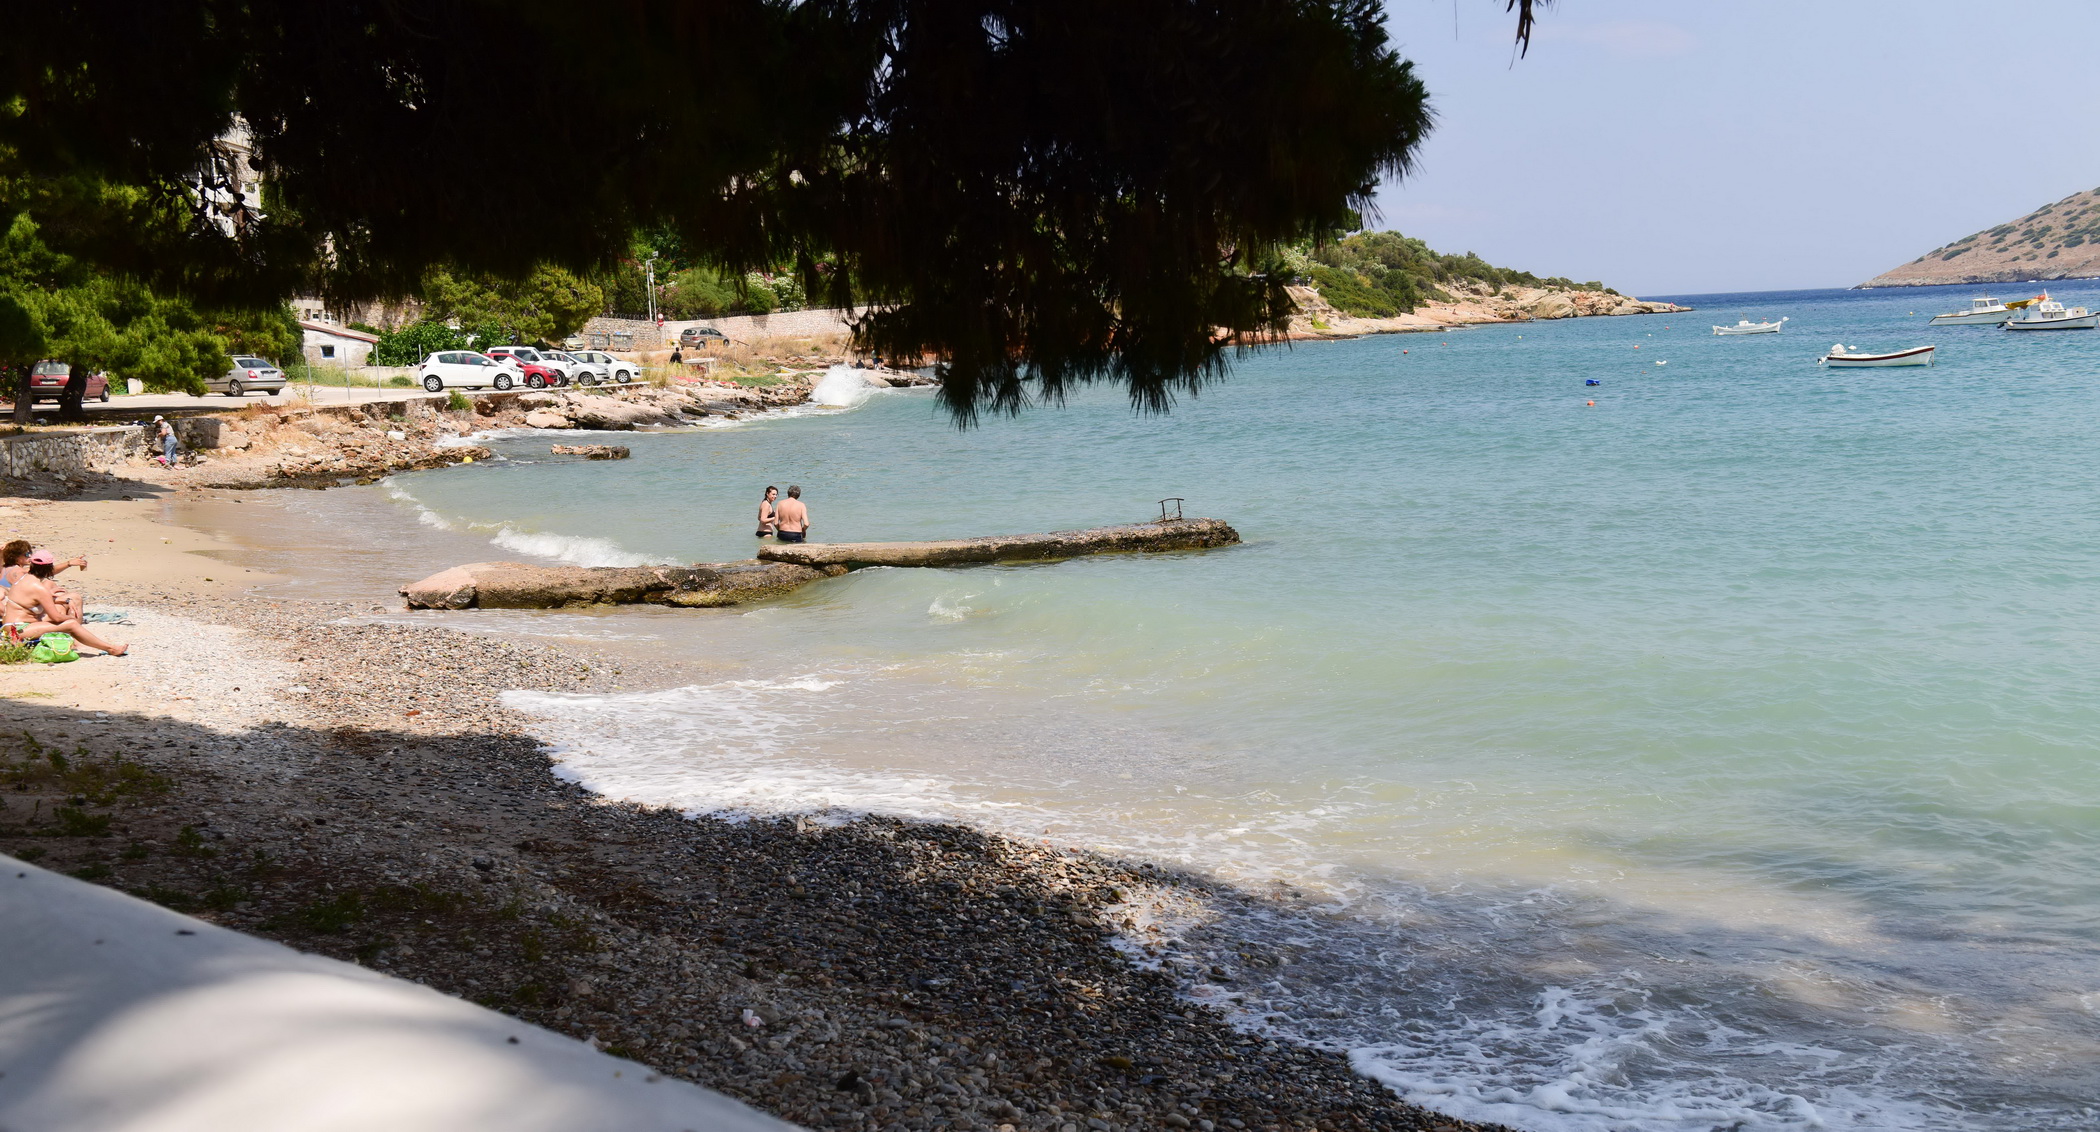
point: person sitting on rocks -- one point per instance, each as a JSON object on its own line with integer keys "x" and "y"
{"x": 31, "y": 608}
{"x": 14, "y": 563}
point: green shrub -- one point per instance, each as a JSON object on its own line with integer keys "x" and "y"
{"x": 458, "y": 402}
{"x": 328, "y": 916}
{"x": 401, "y": 381}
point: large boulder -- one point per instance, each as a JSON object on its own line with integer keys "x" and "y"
{"x": 546, "y": 418}
{"x": 518, "y": 585}
{"x": 1554, "y": 305}
{"x": 591, "y": 451}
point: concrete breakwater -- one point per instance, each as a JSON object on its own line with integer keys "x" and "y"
{"x": 780, "y": 569}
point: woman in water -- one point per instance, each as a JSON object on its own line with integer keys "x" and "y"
{"x": 766, "y": 516}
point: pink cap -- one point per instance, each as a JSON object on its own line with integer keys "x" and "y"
{"x": 42, "y": 557}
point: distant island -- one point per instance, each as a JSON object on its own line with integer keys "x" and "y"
{"x": 2055, "y": 241}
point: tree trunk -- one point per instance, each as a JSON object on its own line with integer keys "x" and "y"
{"x": 24, "y": 407}
{"x": 69, "y": 401}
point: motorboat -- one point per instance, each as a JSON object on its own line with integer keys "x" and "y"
{"x": 1745, "y": 326}
{"x": 1842, "y": 356}
{"x": 1983, "y": 311}
{"x": 2048, "y": 314}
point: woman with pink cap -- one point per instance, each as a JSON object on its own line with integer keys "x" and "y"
{"x": 31, "y": 609}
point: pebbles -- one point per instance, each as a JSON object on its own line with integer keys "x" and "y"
{"x": 877, "y": 975}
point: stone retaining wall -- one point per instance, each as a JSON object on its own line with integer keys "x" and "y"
{"x": 70, "y": 453}
{"x": 782, "y": 324}
{"x": 620, "y": 335}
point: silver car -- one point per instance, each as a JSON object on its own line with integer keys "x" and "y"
{"x": 609, "y": 368}
{"x": 248, "y": 375}
{"x": 580, "y": 372}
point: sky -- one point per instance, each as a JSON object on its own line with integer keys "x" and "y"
{"x": 1701, "y": 146}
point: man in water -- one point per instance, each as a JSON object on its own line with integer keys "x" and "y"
{"x": 791, "y": 521}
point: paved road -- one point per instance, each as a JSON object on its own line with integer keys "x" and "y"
{"x": 145, "y": 405}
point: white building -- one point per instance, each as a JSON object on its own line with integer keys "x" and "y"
{"x": 328, "y": 344}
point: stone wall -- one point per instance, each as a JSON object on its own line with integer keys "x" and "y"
{"x": 621, "y": 335}
{"x": 70, "y": 453}
{"x": 781, "y": 324}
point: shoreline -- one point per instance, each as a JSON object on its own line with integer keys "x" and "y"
{"x": 357, "y": 790}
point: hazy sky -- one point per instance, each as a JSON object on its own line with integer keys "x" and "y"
{"x": 1700, "y": 146}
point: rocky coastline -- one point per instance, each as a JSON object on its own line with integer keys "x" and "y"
{"x": 1472, "y": 304}
{"x": 356, "y": 789}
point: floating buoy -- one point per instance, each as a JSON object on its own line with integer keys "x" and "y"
{"x": 1636, "y": 345}
{"x": 1662, "y": 363}
{"x": 466, "y": 459}
{"x": 1593, "y": 381}
{"x": 1403, "y": 351}
{"x": 1591, "y": 404}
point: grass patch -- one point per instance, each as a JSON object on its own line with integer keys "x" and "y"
{"x": 32, "y": 853}
{"x": 190, "y": 843}
{"x": 328, "y": 916}
{"x": 15, "y": 652}
{"x": 75, "y": 822}
{"x": 102, "y": 782}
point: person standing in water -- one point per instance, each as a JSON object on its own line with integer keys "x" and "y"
{"x": 791, "y": 522}
{"x": 765, "y": 511}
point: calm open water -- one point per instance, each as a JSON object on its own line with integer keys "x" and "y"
{"x": 1721, "y": 755}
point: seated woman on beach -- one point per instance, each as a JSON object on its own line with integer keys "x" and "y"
{"x": 31, "y": 608}
{"x": 14, "y": 563}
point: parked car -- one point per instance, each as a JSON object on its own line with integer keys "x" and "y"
{"x": 580, "y": 372}
{"x": 47, "y": 382}
{"x": 465, "y": 369}
{"x": 248, "y": 374}
{"x": 611, "y": 367}
{"x": 694, "y": 337}
{"x": 538, "y": 371}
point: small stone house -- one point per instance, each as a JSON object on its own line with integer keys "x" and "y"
{"x": 328, "y": 344}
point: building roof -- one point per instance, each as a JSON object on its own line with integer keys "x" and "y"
{"x": 337, "y": 331}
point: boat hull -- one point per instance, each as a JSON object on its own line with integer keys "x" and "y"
{"x": 1746, "y": 328}
{"x": 1922, "y": 356}
{"x": 1968, "y": 319}
{"x": 2075, "y": 322}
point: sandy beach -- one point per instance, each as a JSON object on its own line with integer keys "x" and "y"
{"x": 356, "y": 789}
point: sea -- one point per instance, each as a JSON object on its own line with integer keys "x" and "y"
{"x": 1621, "y": 727}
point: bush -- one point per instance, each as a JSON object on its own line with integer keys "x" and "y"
{"x": 401, "y": 381}
{"x": 458, "y": 402}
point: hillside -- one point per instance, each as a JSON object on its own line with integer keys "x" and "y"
{"x": 2055, "y": 241}
{"x": 1376, "y": 282}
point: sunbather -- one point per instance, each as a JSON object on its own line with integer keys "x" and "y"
{"x": 31, "y": 608}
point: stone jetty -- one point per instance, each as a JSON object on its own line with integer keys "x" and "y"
{"x": 780, "y": 569}
{"x": 1165, "y": 534}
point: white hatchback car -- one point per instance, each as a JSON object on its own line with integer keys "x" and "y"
{"x": 454, "y": 369}
{"x": 608, "y": 367}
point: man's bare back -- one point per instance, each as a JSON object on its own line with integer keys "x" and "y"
{"x": 793, "y": 516}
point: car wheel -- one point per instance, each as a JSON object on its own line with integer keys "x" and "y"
{"x": 234, "y": 389}
{"x": 503, "y": 381}
{"x": 624, "y": 376}
{"x": 535, "y": 381}
{"x": 434, "y": 383}
{"x": 105, "y": 394}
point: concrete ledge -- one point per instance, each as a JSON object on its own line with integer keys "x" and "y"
{"x": 120, "y": 1016}
{"x": 1165, "y": 534}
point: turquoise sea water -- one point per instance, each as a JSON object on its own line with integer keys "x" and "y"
{"x": 1721, "y": 755}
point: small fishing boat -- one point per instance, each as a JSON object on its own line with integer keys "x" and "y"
{"x": 1745, "y": 326}
{"x": 1983, "y": 311}
{"x": 1842, "y": 356}
{"x": 2048, "y": 314}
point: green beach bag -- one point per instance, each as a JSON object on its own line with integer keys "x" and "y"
{"x": 54, "y": 648}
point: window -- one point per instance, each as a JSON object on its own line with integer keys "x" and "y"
{"x": 328, "y": 351}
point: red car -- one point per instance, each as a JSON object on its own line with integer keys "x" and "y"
{"x": 47, "y": 382}
{"x": 538, "y": 372}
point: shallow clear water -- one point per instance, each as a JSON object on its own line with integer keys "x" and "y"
{"x": 1720, "y": 755}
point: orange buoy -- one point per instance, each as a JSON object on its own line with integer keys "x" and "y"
{"x": 1590, "y": 403}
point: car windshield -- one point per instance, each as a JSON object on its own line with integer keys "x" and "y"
{"x": 526, "y": 355}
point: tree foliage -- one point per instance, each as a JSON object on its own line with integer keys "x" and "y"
{"x": 1036, "y": 194}
{"x": 58, "y": 307}
{"x": 546, "y": 304}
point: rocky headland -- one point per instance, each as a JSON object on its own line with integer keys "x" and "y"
{"x": 1471, "y": 304}
{"x": 2056, "y": 241}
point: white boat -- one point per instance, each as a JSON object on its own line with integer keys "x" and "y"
{"x": 1841, "y": 356}
{"x": 1984, "y": 311}
{"x": 1745, "y": 326}
{"x": 2048, "y": 314}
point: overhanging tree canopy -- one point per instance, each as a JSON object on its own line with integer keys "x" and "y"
{"x": 1038, "y": 192}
